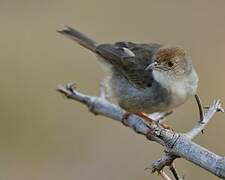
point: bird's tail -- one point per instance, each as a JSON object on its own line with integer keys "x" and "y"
{"x": 79, "y": 37}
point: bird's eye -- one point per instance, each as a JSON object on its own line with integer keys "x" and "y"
{"x": 170, "y": 64}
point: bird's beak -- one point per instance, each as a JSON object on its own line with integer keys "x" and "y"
{"x": 152, "y": 66}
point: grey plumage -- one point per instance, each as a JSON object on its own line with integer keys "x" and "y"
{"x": 169, "y": 82}
{"x": 131, "y": 67}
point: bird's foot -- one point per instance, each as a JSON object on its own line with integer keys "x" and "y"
{"x": 143, "y": 115}
{"x": 146, "y": 117}
{"x": 166, "y": 126}
{"x": 149, "y": 121}
{"x": 124, "y": 118}
{"x": 159, "y": 116}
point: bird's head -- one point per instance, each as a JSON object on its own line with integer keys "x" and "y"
{"x": 172, "y": 60}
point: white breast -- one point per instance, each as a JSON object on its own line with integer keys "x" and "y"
{"x": 180, "y": 88}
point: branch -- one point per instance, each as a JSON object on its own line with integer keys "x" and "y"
{"x": 175, "y": 144}
{"x": 199, "y": 127}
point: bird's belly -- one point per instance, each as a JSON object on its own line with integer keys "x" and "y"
{"x": 156, "y": 98}
{"x": 132, "y": 99}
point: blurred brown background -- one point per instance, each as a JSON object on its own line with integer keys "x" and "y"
{"x": 43, "y": 136}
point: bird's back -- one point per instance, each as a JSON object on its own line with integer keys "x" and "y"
{"x": 131, "y": 67}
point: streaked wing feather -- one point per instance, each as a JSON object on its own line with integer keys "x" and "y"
{"x": 132, "y": 68}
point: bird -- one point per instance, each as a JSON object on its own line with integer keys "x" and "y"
{"x": 143, "y": 78}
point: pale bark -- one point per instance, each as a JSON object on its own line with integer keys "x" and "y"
{"x": 175, "y": 144}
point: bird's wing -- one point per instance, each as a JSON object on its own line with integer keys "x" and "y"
{"x": 130, "y": 59}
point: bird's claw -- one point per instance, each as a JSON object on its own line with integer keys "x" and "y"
{"x": 166, "y": 126}
{"x": 124, "y": 118}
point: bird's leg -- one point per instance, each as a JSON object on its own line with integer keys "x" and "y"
{"x": 145, "y": 117}
{"x": 159, "y": 116}
{"x": 124, "y": 118}
{"x": 150, "y": 121}
{"x": 166, "y": 126}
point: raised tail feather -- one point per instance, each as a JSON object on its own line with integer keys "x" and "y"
{"x": 79, "y": 37}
